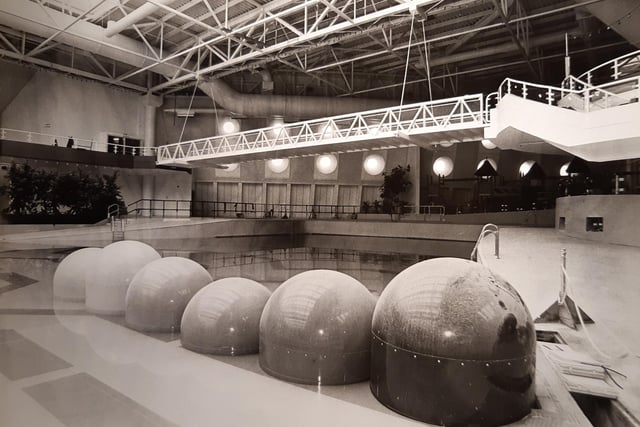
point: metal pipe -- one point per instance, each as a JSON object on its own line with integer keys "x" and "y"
{"x": 114, "y": 27}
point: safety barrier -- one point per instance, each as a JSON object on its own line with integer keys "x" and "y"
{"x": 78, "y": 143}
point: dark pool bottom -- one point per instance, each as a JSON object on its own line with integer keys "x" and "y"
{"x": 451, "y": 392}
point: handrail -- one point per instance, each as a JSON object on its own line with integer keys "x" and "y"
{"x": 79, "y": 143}
{"x": 615, "y": 65}
{"x": 551, "y": 95}
{"x": 113, "y": 210}
{"x": 487, "y": 230}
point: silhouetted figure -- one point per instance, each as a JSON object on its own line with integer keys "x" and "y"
{"x": 70, "y": 142}
{"x": 55, "y": 142}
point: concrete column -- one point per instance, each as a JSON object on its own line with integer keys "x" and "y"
{"x": 151, "y": 104}
{"x": 414, "y": 176}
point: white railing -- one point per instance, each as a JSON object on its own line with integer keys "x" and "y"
{"x": 78, "y": 143}
{"x": 465, "y": 112}
{"x": 487, "y": 230}
{"x": 588, "y": 96}
{"x": 615, "y": 69}
{"x": 617, "y": 92}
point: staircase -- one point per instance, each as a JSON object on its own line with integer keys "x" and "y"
{"x": 597, "y": 122}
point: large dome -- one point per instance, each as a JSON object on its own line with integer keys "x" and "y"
{"x": 315, "y": 329}
{"x": 224, "y": 317}
{"x": 69, "y": 280}
{"x": 108, "y": 279}
{"x": 160, "y": 291}
{"x": 453, "y": 344}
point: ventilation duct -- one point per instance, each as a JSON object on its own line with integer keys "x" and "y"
{"x": 137, "y": 15}
{"x": 289, "y": 107}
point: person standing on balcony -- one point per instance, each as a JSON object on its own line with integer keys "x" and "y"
{"x": 70, "y": 142}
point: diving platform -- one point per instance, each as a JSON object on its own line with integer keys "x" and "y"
{"x": 451, "y": 120}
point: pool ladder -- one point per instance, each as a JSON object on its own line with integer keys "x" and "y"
{"x": 117, "y": 229}
{"x": 486, "y": 230}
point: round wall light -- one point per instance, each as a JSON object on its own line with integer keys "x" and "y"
{"x": 488, "y": 144}
{"x": 278, "y": 165}
{"x": 326, "y": 131}
{"x": 443, "y": 166}
{"x": 445, "y": 144}
{"x": 327, "y": 163}
{"x": 230, "y": 125}
{"x": 277, "y": 124}
{"x": 492, "y": 162}
{"x": 374, "y": 164}
{"x": 563, "y": 169}
{"x": 525, "y": 167}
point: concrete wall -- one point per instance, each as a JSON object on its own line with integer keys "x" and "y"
{"x": 347, "y": 181}
{"x": 621, "y": 222}
{"x": 56, "y": 104}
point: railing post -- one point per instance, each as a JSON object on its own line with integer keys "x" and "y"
{"x": 497, "y": 242}
{"x": 563, "y": 276}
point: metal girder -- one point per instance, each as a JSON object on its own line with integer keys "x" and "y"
{"x": 501, "y": 66}
{"x": 404, "y": 46}
{"x": 272, "y": 45}
{"x": 373, "y": 128}
{"x": 505, "y": 19}
{"x": 487, "y": 19}
{"x": 71, "y": 70}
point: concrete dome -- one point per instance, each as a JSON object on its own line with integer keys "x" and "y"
{"x": 315, "y": 329}
{"x": 224, "y": 317}
{"x": 69, "y": 280}
{"x": 453, "y": 344}
{"x": 160, "y": 291}
{"x": 108, "y": 279}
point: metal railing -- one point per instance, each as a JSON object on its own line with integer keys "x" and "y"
{"x": 612, "y": 94}
{"x": 273, "y": 210}
{"x": 160, "y": 207}
{"x": 463, "y": 112}
{"x": 616, "y": 69}
{"x": 487, "y": 230}
{"x": 78, "y": 143}
{"x": 113, "y": 210}
{"x": 587, "y": 95}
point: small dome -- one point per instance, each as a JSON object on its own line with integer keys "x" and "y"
{"x": 224, "y": 317}
{"x": 69, "y": 280}
{"x": 160, "y": 291}
{"x": 108, "y": 279}
{"x": 315, "y": 329}
{"x": 452, "y": 343}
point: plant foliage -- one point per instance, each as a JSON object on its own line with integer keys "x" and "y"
{"x": 395, "y": 183}
{"x": 42, "y": 193}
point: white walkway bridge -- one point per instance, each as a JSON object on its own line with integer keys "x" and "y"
{"x": 459, "y": 119}
{"x": 594, "y": 116}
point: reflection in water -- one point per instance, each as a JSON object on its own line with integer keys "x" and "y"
{"x": 271, "y": 267}
{"x": 271, "y": 260}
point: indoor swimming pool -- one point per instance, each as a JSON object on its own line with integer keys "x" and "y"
{"x": 72, "y": 353}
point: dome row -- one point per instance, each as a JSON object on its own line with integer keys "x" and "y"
{"x": 448, "y": 342}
